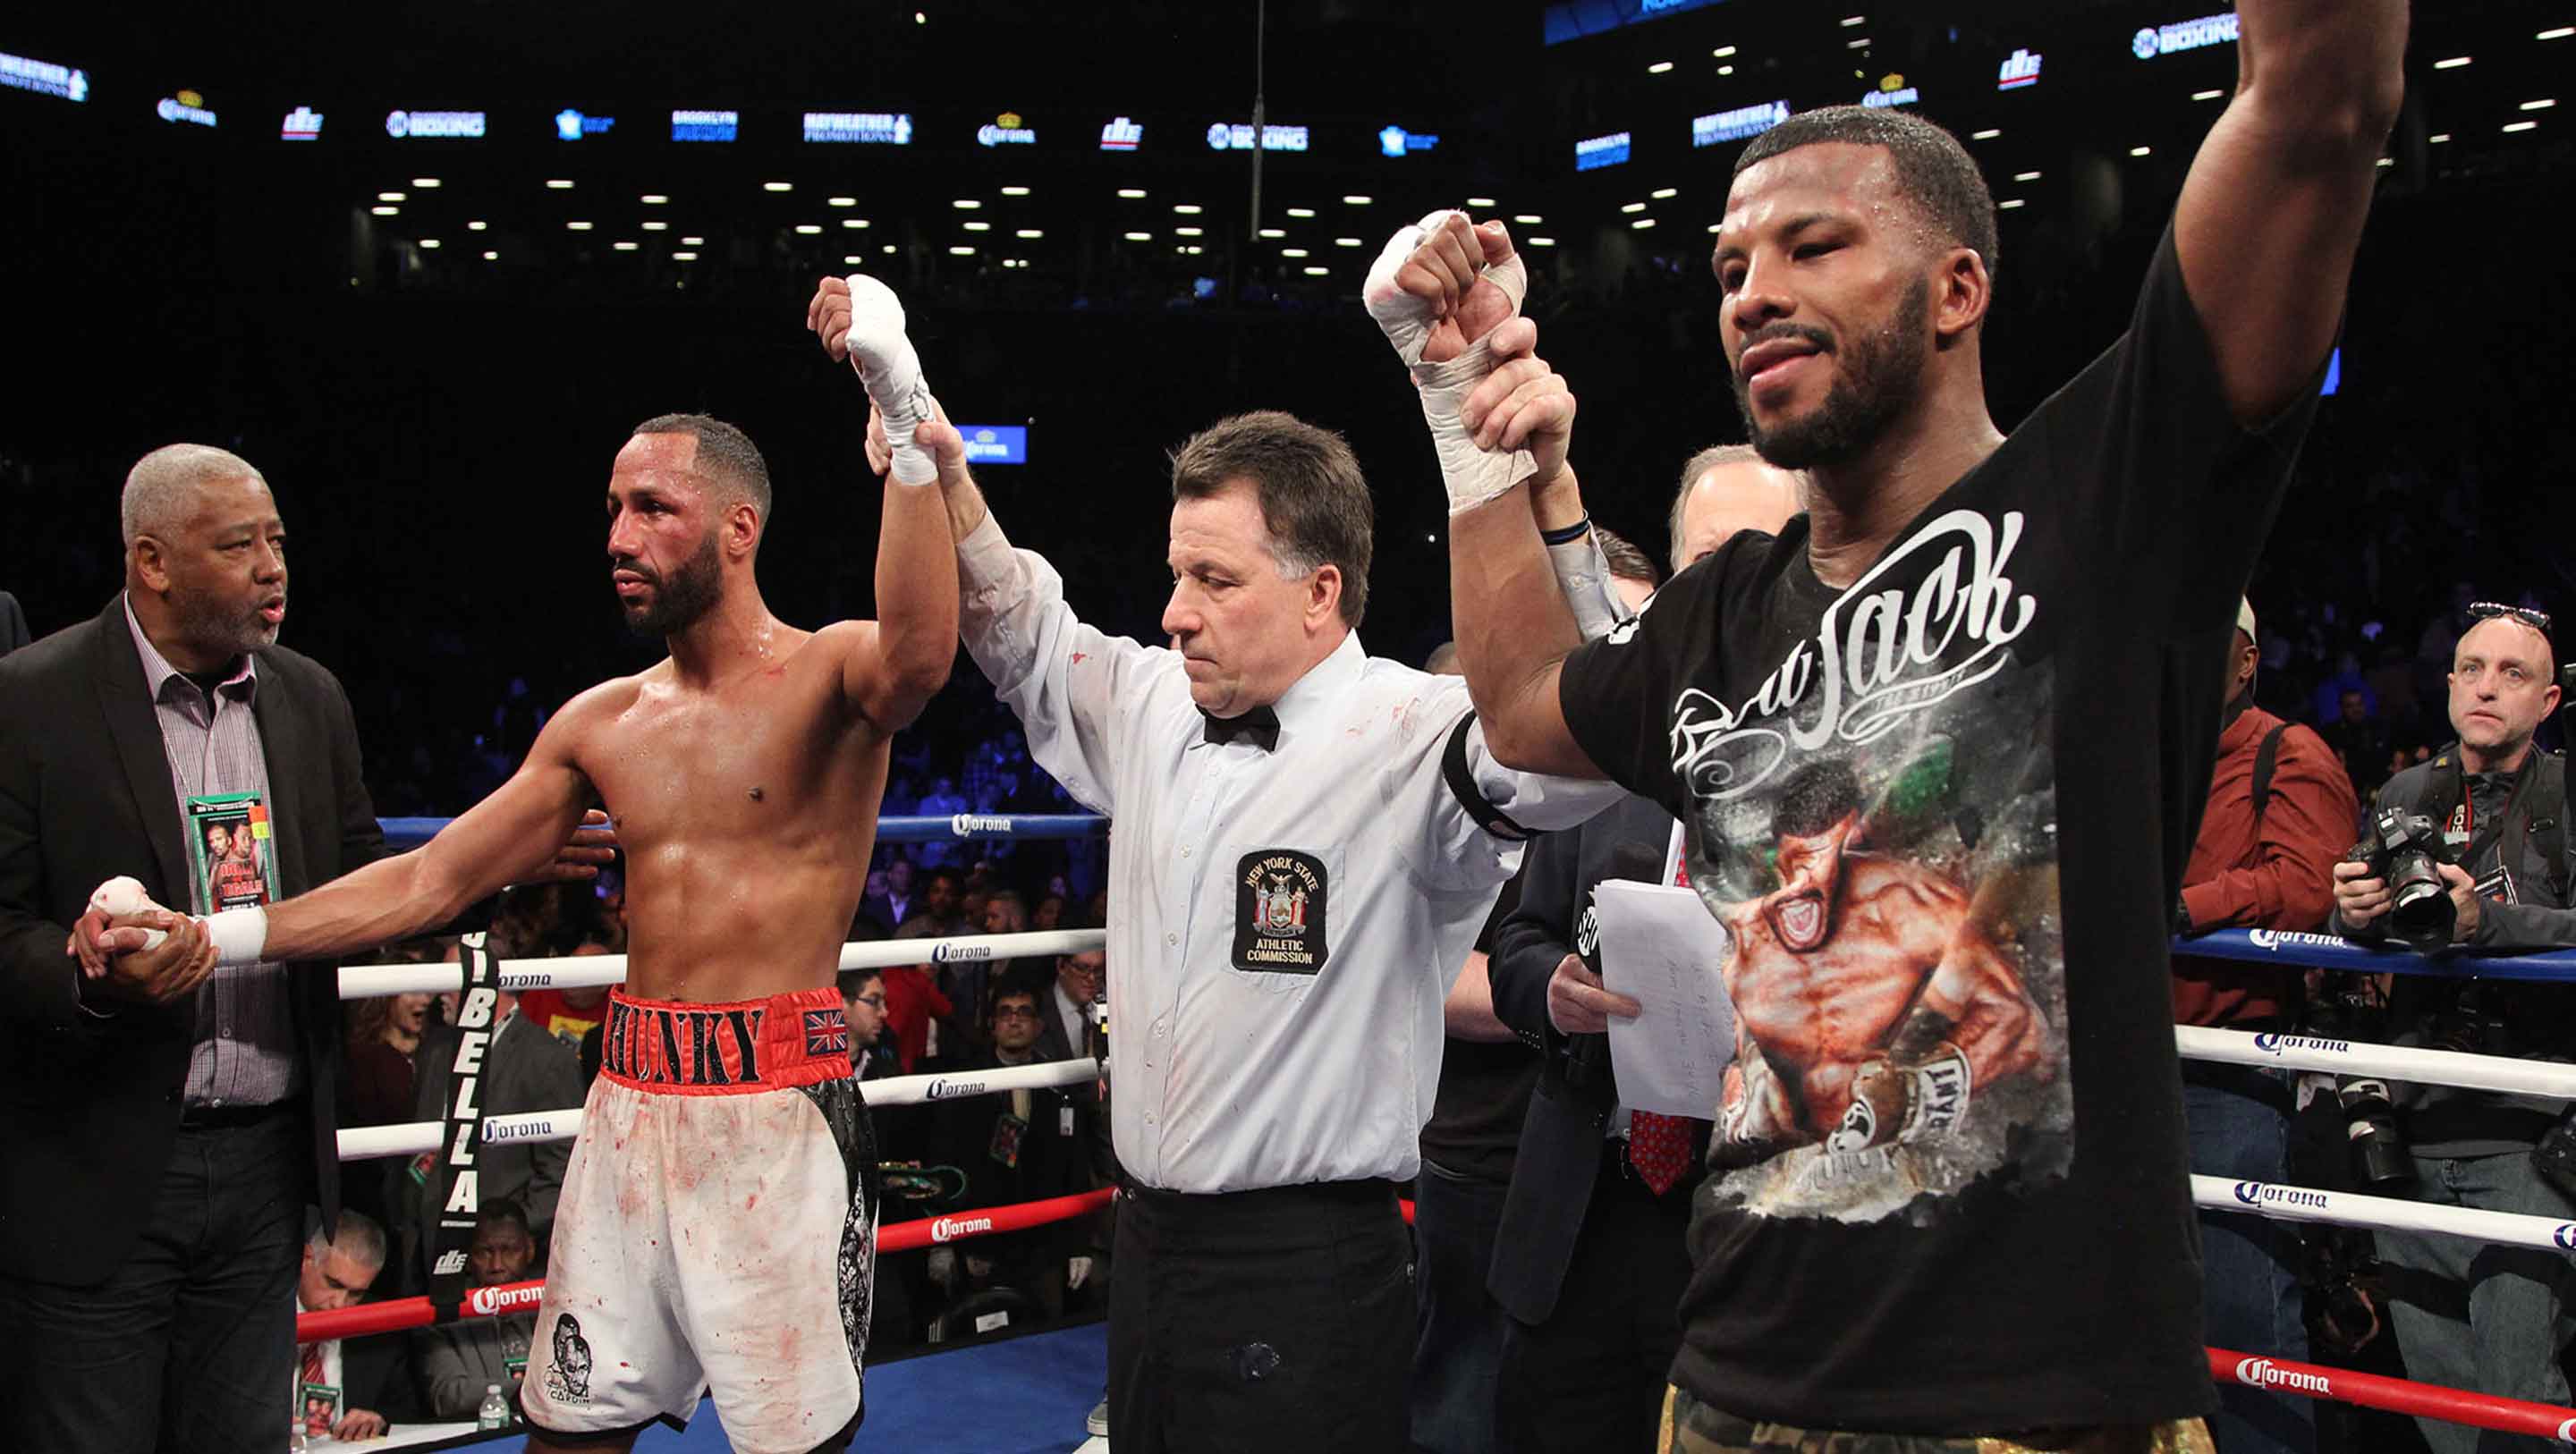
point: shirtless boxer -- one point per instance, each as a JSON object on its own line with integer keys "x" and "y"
{"x": 743, "y": 774}
{"x": 1869, "y": 1004}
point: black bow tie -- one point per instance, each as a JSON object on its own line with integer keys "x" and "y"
{"x": 1260, "y": 727}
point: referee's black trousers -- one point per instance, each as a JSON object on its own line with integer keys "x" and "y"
{"x": 1277, "y": 1319}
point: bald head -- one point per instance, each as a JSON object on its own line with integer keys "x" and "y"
{"x": 1727, "y": 489}
{"x": 164, "y": 487}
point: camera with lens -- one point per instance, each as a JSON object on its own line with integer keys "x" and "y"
{"x": 2379, "y": 1158}
{"x": 2405, "y": 851}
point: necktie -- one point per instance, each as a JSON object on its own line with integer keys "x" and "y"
{"x": 1659, "y": 1147}
{"x": 1260, "y": 727}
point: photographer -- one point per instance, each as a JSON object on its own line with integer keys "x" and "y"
{"x": 2280, "y": 811}
{"x": 2470, "y": 1315}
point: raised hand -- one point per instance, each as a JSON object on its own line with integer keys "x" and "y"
{"x": 860, "y": 319}
{"x": 1441, "y": 291}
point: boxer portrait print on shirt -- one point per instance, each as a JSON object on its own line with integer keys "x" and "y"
{"x": 1875, "y": 828}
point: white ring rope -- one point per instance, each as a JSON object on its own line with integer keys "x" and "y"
{"x": 371, "y": 981}
{"x": 531, "y": 1127}
{"x": 2351, "y": 1209}
{"x": 2347, "y": 1057}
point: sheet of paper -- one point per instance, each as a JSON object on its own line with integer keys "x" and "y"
{"x": 1660, "y": 948}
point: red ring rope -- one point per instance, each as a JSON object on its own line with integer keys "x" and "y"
{"x": 396, "y": 1314}
{"x": 2396, "y": 1395}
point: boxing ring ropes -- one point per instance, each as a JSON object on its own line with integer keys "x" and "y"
{"x": 2271, "y": 1051}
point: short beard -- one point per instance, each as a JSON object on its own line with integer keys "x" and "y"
{"x": 1883, "y": 376}
{"x": 220, "y": 632}
{"x": 682, "y": 599}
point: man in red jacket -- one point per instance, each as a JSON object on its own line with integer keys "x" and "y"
{"x": 2281, "y": 810}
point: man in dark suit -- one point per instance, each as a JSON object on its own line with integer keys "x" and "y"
{"x": 1589, "y": 1261}
{"x": 889, "y": 910}
{"x": 165, "y": 1126}
{"x": 524, "y": 1069}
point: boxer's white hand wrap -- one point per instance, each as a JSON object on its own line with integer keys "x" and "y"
{"x": 120, "y": 896}
{"x": 1472, "y": 475}
{"x": 886, "y": 362}
{"x": 1583, "y": 573}
{"x": 240, "y": 935}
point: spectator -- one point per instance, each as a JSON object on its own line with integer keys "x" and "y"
{"x": 941, "y": 894}
{"x": 570, "y": 1015}
{"x": 460, "y": 1362}
{"x": 914, "y": 1004}
{"x": 1049, "y": 913}
{"x": 893, "y": 904}
{"x": 524, "y": 1069}
{"x": 376, "y": 1072}
{"x": 2469, "y": 1315}
{"x": 347, "y": 1389}
{"x": 2359, "y": 739}
{"x": 2280, "y": 812}
{"x": 942, "y": 801}
{"x": 1018, "y": 1146}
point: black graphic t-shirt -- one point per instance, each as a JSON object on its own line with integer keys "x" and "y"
{"x": 1941, "y": 815}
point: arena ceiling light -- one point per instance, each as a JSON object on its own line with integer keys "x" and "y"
{"x": 1273, "y": 232}
{"x": 1348, "y": 242}
{"x": 2561, "y": 33}
{"x": 624, "y": 246}
{"x": 657, "y": 227}
{"x": 683, "y": 257}
{"x": 1029, "y": 232}
{"x": 1318, "y": 272}
{"x": 979, "y": 227}
{"x": 808, "y": 229}
{"x": 1527, "y": 219}
{"x": 1726, "y": 70}
{"x": 491, "y": 257}
{"x": 2439, "y": 137}
{"x": 1722, "y": 52}
{"x": 1015, "y": 191}
{"x": 1852, "y": 20}
{"x": 2543, "y": 104}
{"x": 1660, "y": 193}
{"x": 1140, "y": 237}
{"x": 840, "y": 201}
{"x": 576, "y": 227}
{"x": 1309, "y": 211}
{"x": 2210, "y": 95}
{"x": 852, "y": 259}
{"x": 390, "y": 197}
{"x": 426, "y": 184}
{"x": 765, "y": 186}
{"x": 854, "y": 223}
{"x": 1641, "y": 224}
{"x": 1189, "y": 232}
{"x": 1540, "y": 241}
{"x": 1989, "y": 134}
{"x": 1131, "y": 193}
{"x": 558, "y": 184}
{"x": 2025, "y": 176}
{"x": 1188, "y": 209}
{"x": 961, "y": 251}
{"x": 1354, "y": 201}
{"x": 1632, "y": 207}
{"x": 1482, "y": 202}
{"x": 655, "y": 199}
{"x": 693, "y": 242}
{"x": 1659, "y": 68}
{"x": 966, "y": 204}
{"x": 477, "y": 225}
{"x": 430, "y": 243}
{"x": 2514, "y": 126}
{"x": 2007, "y": 204}
{"x": 2451, "y": 63}
{"x": 2139, "y": 151}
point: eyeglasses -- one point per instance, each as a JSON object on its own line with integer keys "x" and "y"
{"x": 2489, "y": 610}
{"x": 1015, "y": 1012}
{"x": 873, "y": 1002}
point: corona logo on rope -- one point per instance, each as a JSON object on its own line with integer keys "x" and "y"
{"x": 2256, "y": 1194}
{"x": 2263, "y": 1373}
{"x": 486, "y": 1302}
{"x": 2564, "y": 1234}
{"x": 947, "y": 953}
{"x": 945, "y": 1089}
{"x": 2567, "y": 1432}
{"x": 2275, "y": 940}
{"x": 963, "y": 824}
{"x": 2272, "y": 1042}
{"x": 541, "y": 1129}
{"x": 948, "y": 1229}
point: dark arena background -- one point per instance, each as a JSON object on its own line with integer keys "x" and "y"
{"x": 426, "y": 265}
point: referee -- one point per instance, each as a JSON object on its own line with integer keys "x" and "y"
{"x": 1307, "y": 840}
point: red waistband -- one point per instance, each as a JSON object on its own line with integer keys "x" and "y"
{"x": 698, "y": 1049}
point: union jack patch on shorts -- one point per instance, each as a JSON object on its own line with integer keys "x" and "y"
{"x": 827, "y": 1032}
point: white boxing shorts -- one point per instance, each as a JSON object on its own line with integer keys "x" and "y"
{"x": 717, "y": 1228}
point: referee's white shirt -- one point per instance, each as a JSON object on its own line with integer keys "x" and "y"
{"x": 1229, "y": 1074}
